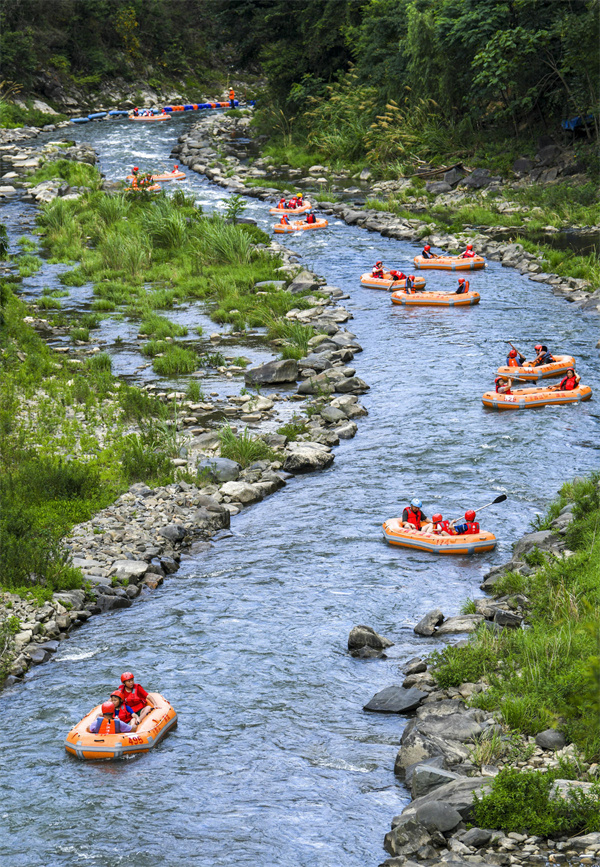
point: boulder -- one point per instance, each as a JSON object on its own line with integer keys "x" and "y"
{"x": 522, "y": 166}
{"x": 431, "y": 762}
{"x": 273, "y": 372}
{"x": 507, "y": 618}
{"x": 395, "y": 699}
{"x": 426, "y": 778}
{"x": 550, "y": 740}
{"x": 331, "y": 414}
{"x": 437, "y": 187}
{"x": 476, "y": 837}
{"x": 173, "y": 532}
{"x": 460, "y": 623}
{"x": 561, "y": 789}
{"x": 364, "y": 636}
{"x": 74, "y": 597}
{"x": 458, "y": 794}
{"x": 303, "y": 282}
{"x": 542, "y": 539}
{"x": 548, "y": 154}
{"x": 455, "y": 727}
{"x": 478, "y": 179}
{"x": 241, "y": 492}
{"x": 427, "y": 625}
{"x": 585, "y": 841}
{"x": 437, "y": 816}
{"x": 406, "y": 838}
{"x": 351, "y": 385}
{"x": 129, "y": 570}
{"x": 38, "y": 656}
{"x": 218, "y": 469}
{"x": 367, "y": 653}
{"x": 304, "y": 457}
{"x": 111, "y": 603}
{"x": 453, "y": 176}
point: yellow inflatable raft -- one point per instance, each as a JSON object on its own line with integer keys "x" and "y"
{"x": 532, "y": 374}
{"x": 435, "y": 299}
{"x": 450, "y": 263}
{"x": 291, "y": 211}
{"x": 388, "y": 282}
{"x": 150, "y": 117}
{"x": 524, "y": 398}
{"x": 298, "y": 226}
{"x": 475, "y": 543}
{"x": 82, "y": 743}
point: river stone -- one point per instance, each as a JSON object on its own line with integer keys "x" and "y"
{"x": 173, "y": 532}
{"x": 455, "y": 727}
{"x": 406, "y": 838}
{"x": 431, "y": 762}
{"x": 415, "y": 666}
{"x": 303, "y": 282}
{"x": 458, "y": 795}
{"x": 219, "y": 469}
{"x": 368, "y": 653}
{"x": 542, "y": 539}
{"x": 51, "y": 646}
{"x": 550, "y": 740}
{"x": 351, "y": 385}
{"x": 128, "y": 569}
{"x": 426, "y": 778}
{"x": 461, "y": 623}
{"x": 111, "y": 603}
{"x": 347, "y": 431}
{"x": 209, "y": 440}
{"x": 426, "y": 626}
{"x": 477, "y": 179}
{"x": 522, "y": 166}
{"x": 453, "y": 176}
{"x": 364, "y": 636}
{"x": 273, "y": 371}
{"x": 476, "y": 837}
{"x": 561, "y": 788}
{"x": 241, "y": 492}
{"x": 395, "y": 699}
{"x": 438, "y": 816}
{"x": 585, "y": 841}
{"x": 75, "y": 597}
{"x": 331, "y": 414}
{"x": 507, "y": 618}
{"x": 315, "y": 361}
{"x": 437, "y": 187}
{"x": 38, "y": 656}
{"x": 306, "y": 457}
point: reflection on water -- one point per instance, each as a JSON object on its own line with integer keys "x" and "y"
{"x": 274, "y": 761}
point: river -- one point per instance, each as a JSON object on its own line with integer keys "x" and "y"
{"x": 274, "y": 761}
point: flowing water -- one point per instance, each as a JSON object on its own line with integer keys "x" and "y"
{"x": 274, "y": 761}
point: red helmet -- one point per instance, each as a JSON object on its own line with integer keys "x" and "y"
{"x": 108, "y": 707}
{"x": 378, "y": 263}
{"x": 512, "y": 353}
{"x": 470, "y": 515}
{"x": 461, "y": 279}
{"x": 411, "y": 276}
{"x": 127, "y": 675}
{"x": 427, "y": 247}
{"x": 436, "y": 518}
{"x": 469, "y": 246}
{"x": 537, "y": 347}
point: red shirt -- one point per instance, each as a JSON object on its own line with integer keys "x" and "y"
{"x": 468, "y": 254}
{"x": 136, "y": 699}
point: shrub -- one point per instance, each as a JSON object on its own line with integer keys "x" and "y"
{"x": 456, "y": 665}
{"x": 175, "y": 361}
{"x": 141, "y": 464}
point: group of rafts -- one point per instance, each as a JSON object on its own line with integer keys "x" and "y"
{"x": 437, "y": 536}
{"x": 151, "y": 181}
{"x": 296, "y": 207}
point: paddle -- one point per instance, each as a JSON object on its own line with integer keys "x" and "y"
{"x": 499, "y": 499}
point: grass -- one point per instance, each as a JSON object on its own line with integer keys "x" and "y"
{"x": 549, "y": 674}
{"x": 74, "y": 173}
{"x": 159, "y": 327}
{"x": 245, "y": 449}
{"x": 175, "y": 361}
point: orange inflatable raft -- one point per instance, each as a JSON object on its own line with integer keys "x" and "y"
{"x": 82, "y": 743}
{"x": 524, "y": 398}
{"x": 435, "y": 299}
{"x": 388, "y": 282}
{"x": 450, "y": 263}
{"x": 291, "y": 211}
{"x": 149, "y": 117}
{"x": 298, "y": 226}
{"x": 474, "y": 543}
{"x": 532, "y": 374}
{"x": 165, "y": 176}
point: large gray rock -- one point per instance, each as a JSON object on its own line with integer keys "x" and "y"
{"x": 406, "y": 838}
{"x": 395, "y": 699}
{"x": 550, "y": 740}
{"x": 129, "y": 570}
{"x": 585, "y": 841}
{"x": 562, "y": 789}
{"x": 522, "y": 166}
{"x": 437, "y": 187}
{"x": 476, "y": 837}
{"x": 173, "y": 532}
{"x": 273, "y": 371}
{"x": 218, "y": 469}
{"x": 75, "y": 597}
{"x": 241, "y": 492}
{"x": 437, "y": 816}
{"x": 427, "y": 625}
{"x": 507, "y": 618}
{"x": 111, "y": 603}
{"x": 460, "y": 623}
{"x": 425, "y": 778}
{"x": 351, "y": 385}
{"x": 364, "y": 636}
{"x": 332, "y": 414}
{"x": 303, "y": 282}
{"x": 478, "y": 179}
{"x": 453, "y": 176}
{"x": 306, "y": 457}
{"x": 451, "y": 727}
{"x": 458, "y": 795}
{"x": 542, "y": 539}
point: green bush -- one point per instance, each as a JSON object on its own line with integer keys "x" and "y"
{"x": 456, "y": 665}
{"x": 245, "y": 449}
{"x": 142, "y": 464}
{"x": 520, "y": 801}
{"x": 175, "y": 361}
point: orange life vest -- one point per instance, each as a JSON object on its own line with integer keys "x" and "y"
{"x": 107, "y": 727}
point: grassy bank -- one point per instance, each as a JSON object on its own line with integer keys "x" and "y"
{"x": 72, "y": 436}
{"x": 547, "y": 675}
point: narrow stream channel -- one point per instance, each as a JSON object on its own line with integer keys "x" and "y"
{"x": 274, "y": 762}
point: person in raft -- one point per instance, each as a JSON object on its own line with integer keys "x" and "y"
{"x": 231, "y": 98}
{"x": 134, "y": 695}
{"x": 468, "y": 526}
{"x": 107, "y": 724}
{"x": 293, "y": 204}
{"x": 409, "y": 286}
{"x": 282, "y": 203}
{"x": 503, "y": 385}
{"x": 468, "y": 254}
{"x": 378, "y": 271}
{"x": 439, "y": 527}
{"x": 310, "y": 218}
{"x": 515, "y": 358}
{"x": 543, "y": 356}
{"x": 122, "y": 710}
{"x": 299, "y": 199}
{"x": 569, "y": 383}
{"x": 463, "y": 286}
{"x": 427, "y": 254}
{"x": 412, "y": 516}
{"x": 285, "y": 220}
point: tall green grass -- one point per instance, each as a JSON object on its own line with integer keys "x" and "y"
{"x": 244, "y": 448}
